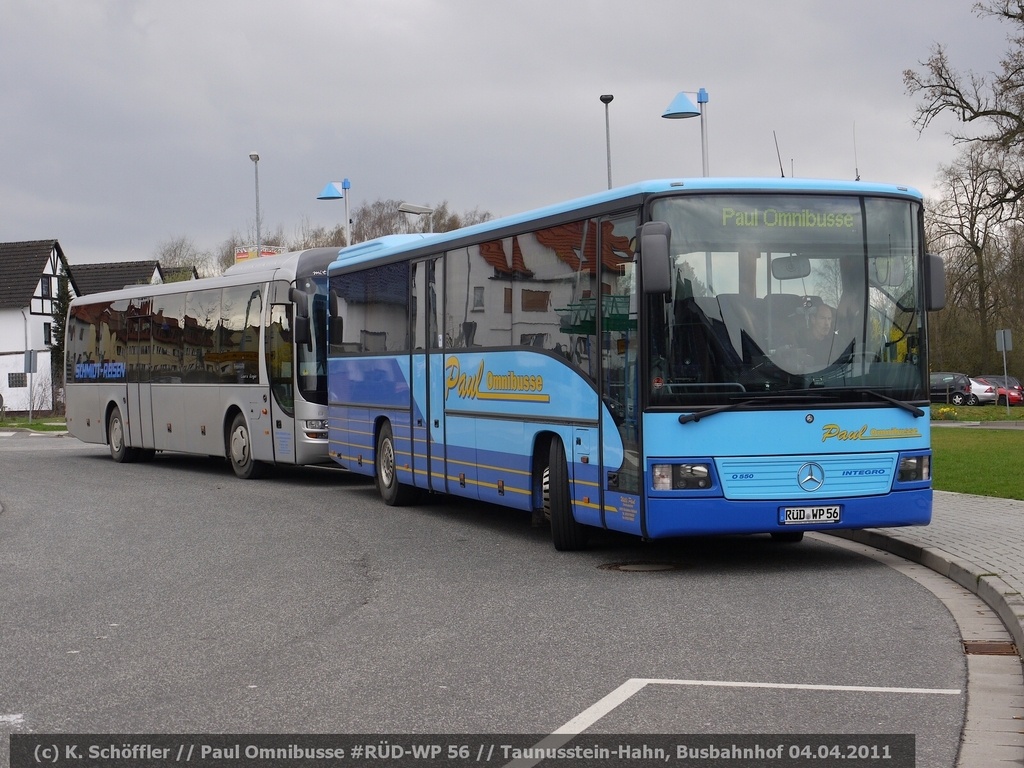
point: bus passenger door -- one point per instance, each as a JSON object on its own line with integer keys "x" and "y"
{"x": 621, "y": 469}
{"x": 139, "y": 417}
{"x": 281, "y": 373}
{"x": 427, "y": 374}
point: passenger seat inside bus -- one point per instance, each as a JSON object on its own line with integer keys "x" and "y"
{"x": 786, "y": 319}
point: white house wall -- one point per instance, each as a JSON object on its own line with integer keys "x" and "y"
{"x": 13, "y": 328}
{"x": 17, "y": 398}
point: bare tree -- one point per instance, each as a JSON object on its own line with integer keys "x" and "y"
{"x": 443, "y": 219}
{"x": 377, "y": 219}
{"x": 993, "y": 108}
{"x": 382, "y": 217}
{"x": 1010, "y": 287}
{"x": 369, "y": 221}
{"x": 970, "y": 228}
{"x": 309, "y": 236}
{"x": 224, "y": 256}
{"x": 181, "y": 254}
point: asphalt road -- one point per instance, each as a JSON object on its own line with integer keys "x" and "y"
{"x": 170, "y": 597}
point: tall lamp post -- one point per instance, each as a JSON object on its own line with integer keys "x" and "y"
{"x": 682, "y": 107}
{"x": 606, "y": 100}
{"x": 255, "y": 157}
{"x": 338, "y": 190}
{"x": 419, "y": 210}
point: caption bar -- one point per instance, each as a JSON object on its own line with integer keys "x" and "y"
{"x": 455, "y": 751}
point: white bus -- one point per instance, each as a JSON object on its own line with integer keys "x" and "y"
{"x": 231, "y": 366}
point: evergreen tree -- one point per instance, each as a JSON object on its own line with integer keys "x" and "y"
{"x": 61, "y": 303}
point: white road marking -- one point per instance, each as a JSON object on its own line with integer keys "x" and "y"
{"x": 634, "y": 685}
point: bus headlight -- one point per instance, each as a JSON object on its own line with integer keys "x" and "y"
{"x": 316, "y": 429}
{"x": 914, "y": 469}
{"x": 680, "y": 477}
{"x": 661, "y": 475}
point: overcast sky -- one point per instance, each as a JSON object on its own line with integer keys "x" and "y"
{"x": 128, "y": 123}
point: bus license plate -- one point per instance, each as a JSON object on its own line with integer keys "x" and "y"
{"x": 805, "y": 515}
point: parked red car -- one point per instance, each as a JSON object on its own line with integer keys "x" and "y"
{"x": 1004, "y": 394}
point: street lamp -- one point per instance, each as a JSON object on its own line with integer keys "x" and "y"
{"x": 682, "y": 107}
{"x": 337, "y": 190}
{"x": 606, "y": 100}
{"x": 418, "y": 210}
{"x": 255, "y": 157}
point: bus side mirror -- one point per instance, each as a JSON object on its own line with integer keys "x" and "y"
{"x": 301, "y": 301}
{"x": 336, "y": 323}
{"x": 300, "y": 329}
{"x": 336, "y": 330}
{"x": 300, "y": 323}
{"x": 935, "y": 282}
{"x": 655, "y": 262}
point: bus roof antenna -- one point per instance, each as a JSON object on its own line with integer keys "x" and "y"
{"x": 856, "y": 165}
{"x": 779, "y": 154}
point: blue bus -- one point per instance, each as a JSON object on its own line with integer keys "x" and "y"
{"x": 670, "y": 358}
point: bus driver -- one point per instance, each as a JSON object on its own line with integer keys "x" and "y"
{"x": 821, "y": 334}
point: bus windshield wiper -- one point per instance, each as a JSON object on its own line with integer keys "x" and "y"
{"x": 917, "y": 412}
{"x": 909, "y": 407}
{"x": 696, "y": 416}
{"x": 686, "y": 418}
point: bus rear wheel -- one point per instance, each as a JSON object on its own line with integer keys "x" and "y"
{"x": 240, "y": 451}
{"x": 566, "y": 534}
{"x": 119, "y": 449}
{"x": 386, "y": 471}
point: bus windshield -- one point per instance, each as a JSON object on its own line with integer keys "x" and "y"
{"x": 776, "y": 297}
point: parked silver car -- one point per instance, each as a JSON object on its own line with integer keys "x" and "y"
{"x": 982, "y": 393}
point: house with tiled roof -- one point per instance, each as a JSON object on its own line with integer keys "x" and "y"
{"x": 113, "y": 276}
{"x": 29, "y": 274}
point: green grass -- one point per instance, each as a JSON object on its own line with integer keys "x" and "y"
{"x": 38, "y": 423}
{"x": 980, "y": 461}
{"x": 977, "y": 413}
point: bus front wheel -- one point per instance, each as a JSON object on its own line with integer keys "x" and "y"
{"x": 119, "y": 449}
{"x": 240, "y": 451}
{"x": 386, "y": 471}
{"x": 566, "y": 534}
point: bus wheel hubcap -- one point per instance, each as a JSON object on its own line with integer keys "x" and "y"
{"x": 387, "y": 463}
{"x": 239, "y": 446}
